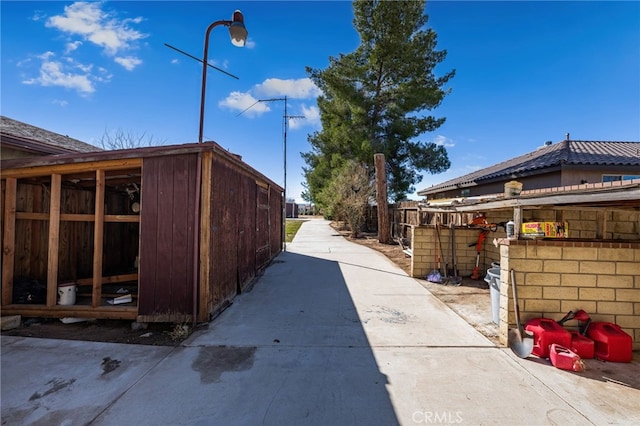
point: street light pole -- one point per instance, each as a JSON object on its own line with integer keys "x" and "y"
{"x": 238, "y": 34}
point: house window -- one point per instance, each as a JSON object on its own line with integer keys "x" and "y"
{"x": 617, "y": 178}
{"x": 465, "y": 192}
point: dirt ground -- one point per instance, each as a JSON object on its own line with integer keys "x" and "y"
{"x": 114, "y": 331}
{"x": 470, "y": 300}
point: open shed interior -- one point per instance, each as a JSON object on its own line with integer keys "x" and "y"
{"x": 81, "y": 227}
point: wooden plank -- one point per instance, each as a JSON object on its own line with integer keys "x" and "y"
{"x": 204, "y": 308}
{"x": 517, "y": 220}
{"x": 89, "y": 166}
{"x": 164, "y": 234}
{"x": 54, "y": 240}
{"x": 75, "y": 311}
{"x": 33, "y": 216}
{"x": 148, "y": 232}
{"x": 98, "y": 239}
{"x": 68, "y": 217}
{"x": 9, "y": 240}
{"x": 182, "y": 219}
{"x": 113, "y": 279}
{"x": 122, "y": 218}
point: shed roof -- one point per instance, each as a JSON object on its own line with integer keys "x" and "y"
{"x": 566, "y": 152}
{"x": 17, "y": 134}
{"x": 36, "y": 166}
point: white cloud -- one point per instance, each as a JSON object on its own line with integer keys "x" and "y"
{"x": 249, "y": 104}
{"x": 71, "y": 46}
{"x": 175, "y": 61}
{"x": 129, "y": 62}
{"x": 60, "y": 102}
{"x": 444, "y": 141}
{"x": 86, "y": 24}
{"x": 302, "y": 88}
{"x": 245, "y": 103}
{"x": 54, "y": 73}
{"x": 311, "y": 118}
{"x": 88, "y": 20}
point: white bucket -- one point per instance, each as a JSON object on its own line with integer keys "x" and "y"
{"x": 67, "y": 294}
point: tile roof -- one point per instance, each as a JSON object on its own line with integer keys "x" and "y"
{"x": 567, "y": 152}
{"x": 26, "y": 136}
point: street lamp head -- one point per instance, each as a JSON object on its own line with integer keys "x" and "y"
{"x": 237, "y": 30}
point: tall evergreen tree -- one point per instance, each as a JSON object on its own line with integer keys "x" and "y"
{"x": 378, "y": 99}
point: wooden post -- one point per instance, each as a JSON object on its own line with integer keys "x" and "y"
{"x": 98, "y": 239}
{"x": 9, "y": 240}
{"x": 384, "y": 234}
{"x": 54, "y": 240}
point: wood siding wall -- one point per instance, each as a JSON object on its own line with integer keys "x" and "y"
{"x": 166, "y": 236}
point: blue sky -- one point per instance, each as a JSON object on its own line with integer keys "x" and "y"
{"x": 526, "y": 73}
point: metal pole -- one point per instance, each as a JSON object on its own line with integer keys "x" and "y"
{"x": 284, "y": 219}
{"x": 204, "y": 72}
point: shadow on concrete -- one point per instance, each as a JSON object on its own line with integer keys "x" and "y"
{"x": 305, "y": 357}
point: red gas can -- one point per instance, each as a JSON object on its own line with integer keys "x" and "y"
{"x": 611, "y": 343}
{"x": 546, "y": 332}
{"x": 582, "y": 345}
{"x": 564, "y": 358}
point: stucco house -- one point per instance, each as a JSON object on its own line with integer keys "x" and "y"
{"x": 565, "y": 163}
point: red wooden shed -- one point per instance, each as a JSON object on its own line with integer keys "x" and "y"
{"x": 181, "y": 229}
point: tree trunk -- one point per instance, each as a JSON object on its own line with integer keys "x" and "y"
{"x": 384, "y": 232}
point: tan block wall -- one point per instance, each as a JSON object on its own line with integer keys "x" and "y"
{"x": 620, "y": 225}
{"x": 554, "y": 278}
{"x": 425, "y": 248}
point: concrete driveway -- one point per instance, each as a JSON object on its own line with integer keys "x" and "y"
{"x": 332, "y": 334}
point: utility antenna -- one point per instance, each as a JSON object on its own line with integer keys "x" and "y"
{"x": 285, "y": 124}
{"x": 201, "y": 61}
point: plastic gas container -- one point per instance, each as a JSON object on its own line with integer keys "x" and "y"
{"x": 611, "y": 343}
{"x": 546, "y": 332}
{"x": 582, "y": 345}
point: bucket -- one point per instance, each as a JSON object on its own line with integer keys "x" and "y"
{"x": 512, "y": 188}
{"x": 67, "y": 294}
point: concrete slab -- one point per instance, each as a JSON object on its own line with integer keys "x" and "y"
{"x": 64, "y": 382}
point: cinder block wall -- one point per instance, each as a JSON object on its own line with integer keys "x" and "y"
{"x": 555, "y": 277}
{"x": 425, "y": 247}
{"x": 620, "y": 225}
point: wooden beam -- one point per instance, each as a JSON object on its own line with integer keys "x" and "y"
{"x": 128, "y": 312}
{"x": 98, "y": 239}
{"x": 112, "y": 279}
{"x": 90, "y": 166}
{"x": 54, "y": 240}
{"x": 9, "y": 240}
{"x": 205, "y": 236}
{"x": 74, "y": 217}
{"x": 121, "y": 218}
{"x": 517, "y": 220}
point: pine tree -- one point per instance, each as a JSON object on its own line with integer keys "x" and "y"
{"x": 378, "y": 99}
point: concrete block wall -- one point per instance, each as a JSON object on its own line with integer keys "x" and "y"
{"x": 583, "y": 224}
{"x": 425, "y": 247}
{"x": 555, "y": 277}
